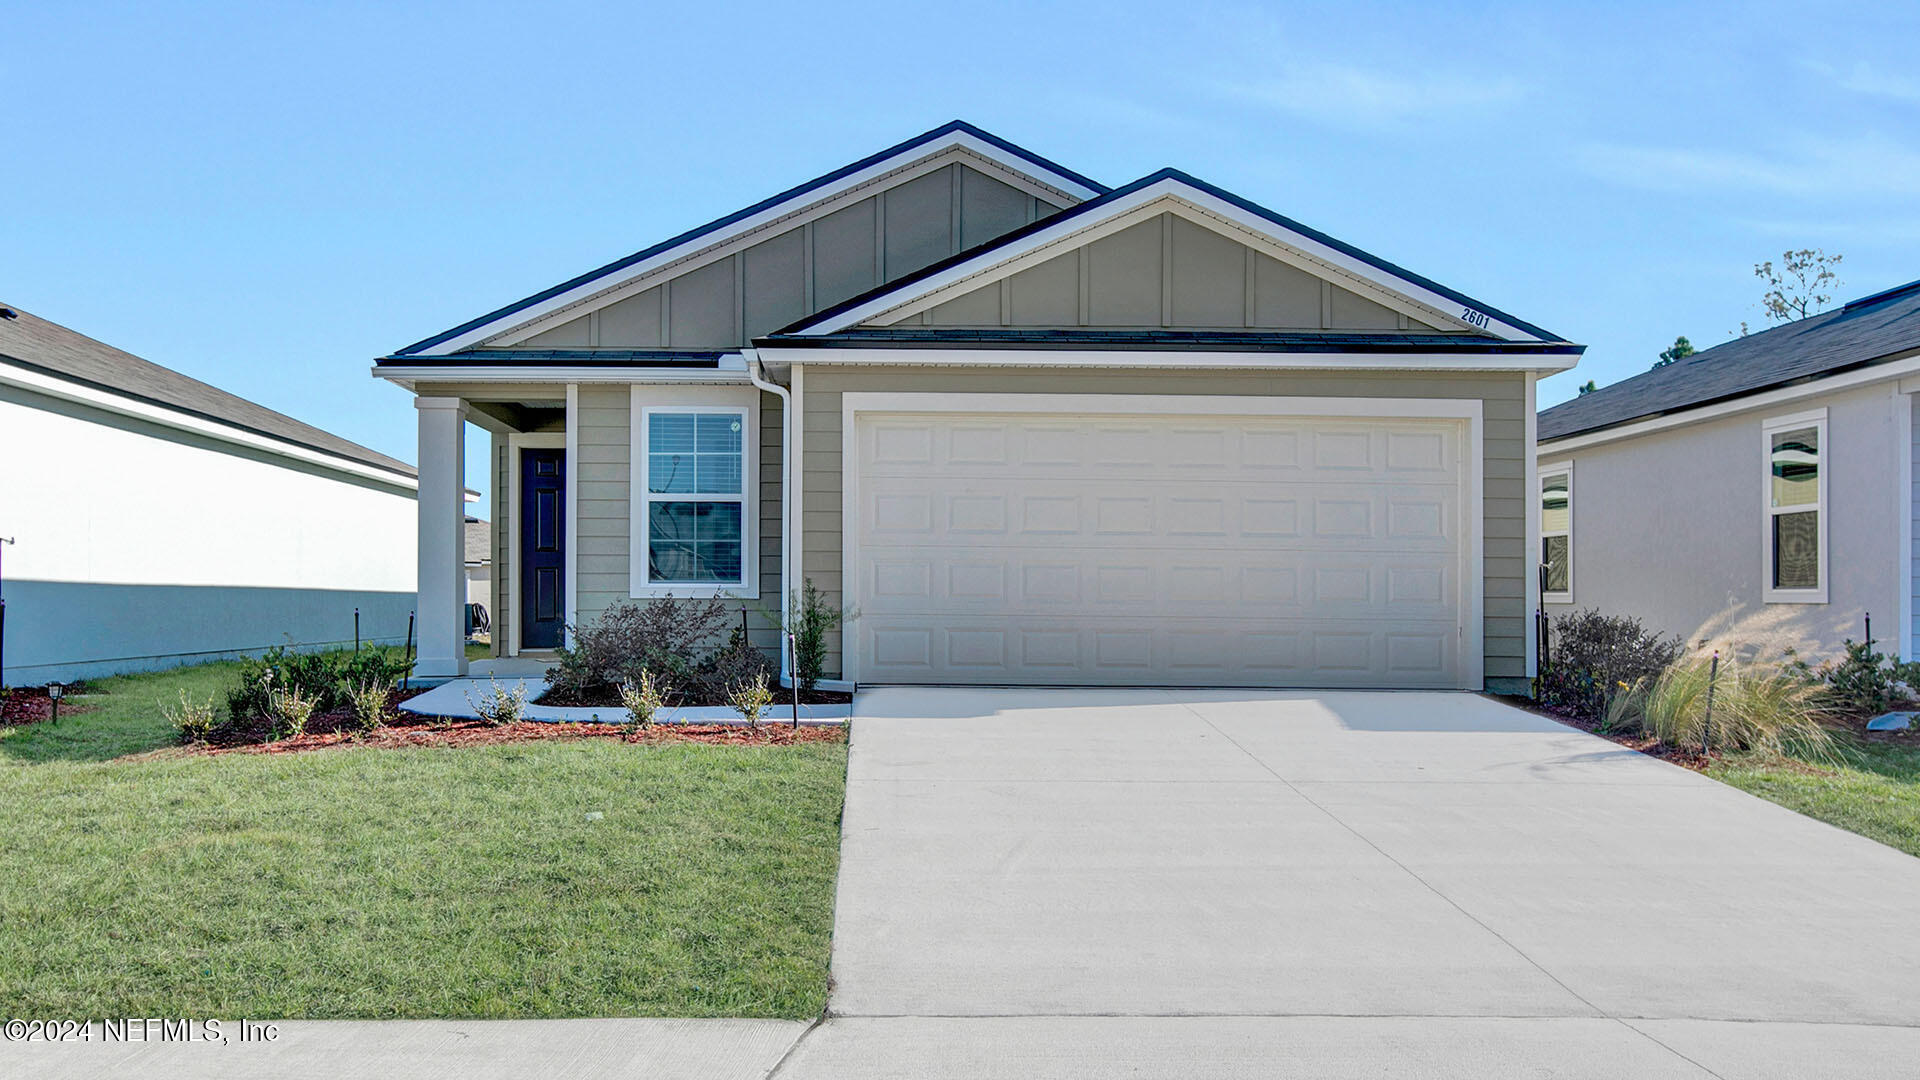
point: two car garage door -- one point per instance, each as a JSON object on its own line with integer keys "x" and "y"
{"x": 1188, "y": 550}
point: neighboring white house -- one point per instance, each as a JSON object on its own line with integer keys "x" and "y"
{"x": 155, "y": 520}
{"x": 479, "y": 541}
{"x": 1034, "y": 429}
{"x": 1757, "y": 495}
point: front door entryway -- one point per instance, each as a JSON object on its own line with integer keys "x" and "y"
{"x": 543, "y": 547}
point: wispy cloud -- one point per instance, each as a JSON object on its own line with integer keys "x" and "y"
{"x": 1863, "y": 78}
{"x": 1803, "y": 166}
{"x": 1350, "y": 96}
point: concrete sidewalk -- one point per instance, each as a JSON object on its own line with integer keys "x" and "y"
{"x": 432, "y": 1050}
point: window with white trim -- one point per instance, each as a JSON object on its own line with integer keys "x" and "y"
{"x": 1795, "y": 543}
{"x": 1556, "y": 534}
{"x": 696, "y": 517}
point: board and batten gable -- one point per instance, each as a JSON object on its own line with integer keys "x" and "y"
{"x": 1165, "y": 271}
{"x": 1503, "y": 396}
{"x": 724, "y": 298}
{"x": 1670, "y": 526}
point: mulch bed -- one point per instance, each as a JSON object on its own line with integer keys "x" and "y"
{"x": 31, "y": 705}
{"x": 610, "y": 699}
{"x": 1693, "y": 758}
{"x": 406, "y": 729}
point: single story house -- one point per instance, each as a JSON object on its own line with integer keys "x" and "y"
{"x": 1757, "y": 495}
{"x": 148, "y": 519}
{"x": 1032, "y": 429}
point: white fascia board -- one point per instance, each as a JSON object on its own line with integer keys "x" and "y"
{"x": 1189, "y": 359}
{"x": 958, "y": 140}
{"x": 53, "y": 386}
{"x": 412, "y": 376}
{"x": 1832, "y": 384}
{"x": 1220, "y": 208}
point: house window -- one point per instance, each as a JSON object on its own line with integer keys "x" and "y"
{"x": 1556, "y": 534}
{"x": 696, "y": 517}
{"x": 1795, "y": 545}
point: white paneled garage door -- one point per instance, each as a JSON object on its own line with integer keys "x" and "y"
{"x": 1188, "y": 550}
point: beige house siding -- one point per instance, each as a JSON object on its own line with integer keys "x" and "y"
{"x": 727, "y": 302}
{"x": 1504, "y": 413}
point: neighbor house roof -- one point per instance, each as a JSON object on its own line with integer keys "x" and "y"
{"x": 1869, "y": 330}
{"x": 479, "y": 542}
{"x": 47, "y": 347}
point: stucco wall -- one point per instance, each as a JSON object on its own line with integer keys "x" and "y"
{"x": 1504, "y": 396}
{"x": 1669, "y": 527}
{"x": 138, "y": 546}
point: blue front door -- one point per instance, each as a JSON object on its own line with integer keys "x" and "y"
{"x": 543, "y": 548}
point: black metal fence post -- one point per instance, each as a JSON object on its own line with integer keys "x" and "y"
{"x": 356, "y": 630}
{"x": 407, "y": 673}
{"x": 1706, "y": 728}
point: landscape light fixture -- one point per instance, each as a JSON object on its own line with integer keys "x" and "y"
{"x": 54, "y": 693}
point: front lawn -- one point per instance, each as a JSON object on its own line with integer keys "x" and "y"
{"x": 563, "y": 878}
{"x": 1874, "y": 790}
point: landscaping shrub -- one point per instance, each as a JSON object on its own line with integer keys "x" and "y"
{"x": 1592, "y": 655}
{"x": 501, "y": 706}
{"x": 750, "y": 699}
{"x": 290, "y": 710}
{"x": 194, "y": 720}
{"x": 812, "y": 620}
{"x": 368, "y": 703}
{"x": 1863, "y": 682}
{"x": 733, "y": 663}
{"x": 667, "y": 637}
{"x": 643, "y": 700}
{"x": 1756, "y": 707}
{"x": 328, "y": 679}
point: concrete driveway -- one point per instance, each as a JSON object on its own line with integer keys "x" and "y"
{"x": 1097, "y": 883}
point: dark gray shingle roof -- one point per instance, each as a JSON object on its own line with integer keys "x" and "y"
{"x": 1156, "y": 338}
{"x": 34, "y": 342}
{"x": 479, "y": 541}
{"x": 1873, "y": 328}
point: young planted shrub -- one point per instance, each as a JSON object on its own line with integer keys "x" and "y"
{"x": 1592, "y": 654}
{"x": 1863, "y": 682}
{"x": 734, "y": 663}
{"x": 812, "y": 619}
{"x": 1756, "y": 707}
{"x": 667, "y": 637}
{"x": 500, "y": 706}
{"x": 368, "y": 703}
{"x": 643, "y": 700}
{"x": 750, "y": 699}
{"x": 290, "y": 710}
{"x": 194, "y": 720}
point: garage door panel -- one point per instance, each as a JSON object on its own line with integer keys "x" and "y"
{"x": 1194, "y": 652}
{"x": 1158, "y": 550}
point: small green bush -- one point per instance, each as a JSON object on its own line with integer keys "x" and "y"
{"x": 813, "y": 618}
{"x": 290, "y": 710}
{"x": 643, "y": 700}
{"x": 750, "y": 699}
{"x": 501, "y": 707}
{"x": 368, "y": 702}
{"x": 1862, "y": 682}
{"x": 1756, "y": 707}
{"x": 328, "y": 679}
{"x": 1590, "y": 656}
{"x": 194, "y": 720}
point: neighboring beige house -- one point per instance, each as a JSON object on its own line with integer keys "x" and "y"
{"x": 1758, "y": 495}
{"x": 1035, "y": 430}
{"x": 479, "y": 561}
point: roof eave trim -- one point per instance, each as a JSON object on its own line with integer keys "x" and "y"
{"x": 1545, "y": 360}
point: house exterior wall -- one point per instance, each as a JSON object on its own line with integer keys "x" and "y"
{"x": 139, "y": 546}
{"x": 1504, "y": 402}
{"x": 1669, "y": 527}
{"x": 725, "y": 303}
{"x": 604, "y": 546}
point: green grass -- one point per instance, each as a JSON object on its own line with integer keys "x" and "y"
{"x": 1873, "y": 791}
{"x": 407, "y": 883}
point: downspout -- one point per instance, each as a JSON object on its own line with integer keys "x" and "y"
{"x": 787, "y": 473}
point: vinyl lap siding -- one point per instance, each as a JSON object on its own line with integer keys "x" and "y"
{"x": 1504, "y": 404}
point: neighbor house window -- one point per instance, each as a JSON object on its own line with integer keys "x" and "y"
{"x": 1556, "y": 534}
{"x": 696, "y": 515}
{"x": 1795, "y": 545}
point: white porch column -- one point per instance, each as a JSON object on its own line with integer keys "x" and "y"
{"x": 442, "y": 622}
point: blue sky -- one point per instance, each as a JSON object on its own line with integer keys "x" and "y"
{"x": 268, "y": 196}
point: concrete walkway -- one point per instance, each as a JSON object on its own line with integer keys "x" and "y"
{"x": 1213, "y": 884}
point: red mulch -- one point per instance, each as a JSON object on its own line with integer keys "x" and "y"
{"x": 406, "y": 729}
{"x": 611, "y": 700}
{"x": 31, "y": 705}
